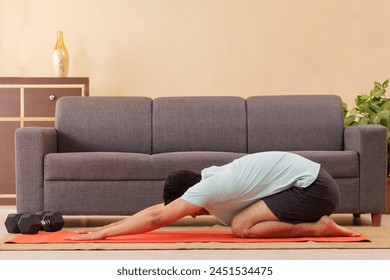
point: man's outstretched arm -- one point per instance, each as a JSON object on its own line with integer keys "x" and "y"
{"x": 146, "y": 220}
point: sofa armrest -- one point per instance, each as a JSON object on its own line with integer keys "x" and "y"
{"x": 370, "y": 141}
{"x": 31, "y": 146}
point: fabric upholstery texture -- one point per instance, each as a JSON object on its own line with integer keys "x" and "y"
{"x": 199, "y": 124}
{"x": 101, "y": 197}
{"x": 111, "y": 155}
{"x": 31, "y": 146}
{"x": 99, "y": 166}
{"x": 373, "y": 164}
{"x": 104, "y": 124}
{"x": 295, "y": 123}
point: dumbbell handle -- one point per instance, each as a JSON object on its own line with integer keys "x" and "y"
{"x": 45, "y": 222}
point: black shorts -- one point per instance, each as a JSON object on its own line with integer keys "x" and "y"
{"x": 297, "y": 205}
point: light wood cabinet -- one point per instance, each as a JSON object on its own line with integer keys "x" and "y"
{"x": 28, "y": 102}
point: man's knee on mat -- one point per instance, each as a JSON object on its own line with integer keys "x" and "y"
{"x": 239, "y": 228}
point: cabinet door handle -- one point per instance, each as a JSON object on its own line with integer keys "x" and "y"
{"x": 52, "y": 97}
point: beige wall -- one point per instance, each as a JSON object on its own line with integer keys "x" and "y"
{"x": 203, "y": 47}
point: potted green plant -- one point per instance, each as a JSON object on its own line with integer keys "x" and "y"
{"x": 372, "y": 108}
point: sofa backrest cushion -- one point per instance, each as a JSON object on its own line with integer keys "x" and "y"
{"x": 295, "y": 123}
{"x": 104, "y": 124}
{"x": 199, "y": 124}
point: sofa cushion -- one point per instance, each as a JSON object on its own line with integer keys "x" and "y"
{"x": 96, "y": 166}
{"x": 199, "y": 124}
{"x": 104, "y": 124}
{"x": 288, "y": 123}
{"x": 339, "y": 164}
{"x": 130, "y": 166}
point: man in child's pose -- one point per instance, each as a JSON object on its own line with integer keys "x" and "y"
{"x": 269, "y": 194}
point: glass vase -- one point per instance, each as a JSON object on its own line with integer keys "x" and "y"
{"x": 60, "y": 57}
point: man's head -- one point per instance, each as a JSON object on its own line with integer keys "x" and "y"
{"x": 177, "y": 183}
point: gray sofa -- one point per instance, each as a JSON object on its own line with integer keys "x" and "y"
{"x": 111, "y": 155}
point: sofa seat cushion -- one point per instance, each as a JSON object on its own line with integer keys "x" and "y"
{"x": 339, "y": 164}
{"x": 110, "y": 166}
{"x": 107, "y": 166}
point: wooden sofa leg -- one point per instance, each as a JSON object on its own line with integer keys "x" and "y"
{"x": 376, "y": 219}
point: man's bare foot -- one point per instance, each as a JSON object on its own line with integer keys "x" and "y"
{"x": 327, "y": 227}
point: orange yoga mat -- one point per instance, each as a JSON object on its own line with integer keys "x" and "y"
{"x": 171, "y": 237}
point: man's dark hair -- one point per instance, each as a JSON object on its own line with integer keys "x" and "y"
{"x": 177, "y": 183}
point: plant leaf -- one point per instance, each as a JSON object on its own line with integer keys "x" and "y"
{"x": 385, "y": 84}
{"x": 363, "y": 120}
{"x": 348, "y": 121}
{"x": 385, "y": 123}
{"x": 375, "y": 119}
{"x": 365, "y": 108}
{"x": 375, "y": 108}
{"x": 386, "y": 105}
{"x": 360, "y": 99}
{"x": 378, "y": 92}
{"x": 384, "y": 115}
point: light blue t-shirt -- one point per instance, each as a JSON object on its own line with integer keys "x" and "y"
{"x": 226, "y": 190}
